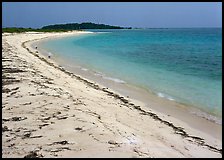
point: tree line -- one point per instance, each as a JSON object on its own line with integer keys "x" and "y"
{"x": 62, "y": 27}
{"x": 86, "y": 25}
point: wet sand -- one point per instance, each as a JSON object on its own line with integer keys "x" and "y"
{"x": 49, "y": 111}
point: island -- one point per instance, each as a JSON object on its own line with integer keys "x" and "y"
{"x": 85, "y": 25}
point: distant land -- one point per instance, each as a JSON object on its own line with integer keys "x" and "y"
{"x": 85, "y": 25}
{"x": 62, "y": 27}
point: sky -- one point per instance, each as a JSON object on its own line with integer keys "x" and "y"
{"x": 125, "y": 14}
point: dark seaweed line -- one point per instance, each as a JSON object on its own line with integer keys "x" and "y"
{"x": 178, "y": 130}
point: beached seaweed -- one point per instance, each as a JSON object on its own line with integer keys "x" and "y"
{"x": 11, "y": 70}
{"x": 78, "y": 128}
{"x": 177, "y": 130}
{"x": 59, "y": 142}
{"x": 26, "y": 135}
{"x": 14, "y": 119}
{"x": 5, "y": 128}
{"x": 10, "y": 81}
{"x": 42, "y": 125}
{"x": 33, "y": 154}
{"x": 60, "y": 149}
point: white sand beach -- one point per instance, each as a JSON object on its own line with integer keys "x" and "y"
{"x": 48, "y": 111}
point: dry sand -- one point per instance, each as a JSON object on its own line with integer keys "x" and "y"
{"x": 48, "y": 111}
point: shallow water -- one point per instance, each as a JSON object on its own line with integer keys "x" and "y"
{"x": 182, "y": 65}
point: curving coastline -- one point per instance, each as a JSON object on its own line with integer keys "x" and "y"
{"x": 121, "y": 118}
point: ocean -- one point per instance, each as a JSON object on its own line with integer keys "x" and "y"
{"x": 178, "y": 64}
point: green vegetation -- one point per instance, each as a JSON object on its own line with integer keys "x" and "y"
{"x": 63, "y": 28}
{"x": 86, "y": 25}
{"x": 20, "y": 30}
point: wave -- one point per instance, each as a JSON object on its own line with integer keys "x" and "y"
{"x": 84, "y": 69}
{"x": 208, "y": 117}
{"x": 102, "y": 32}
{"x": 109, "y": 78}
{"x": 114, "y": 79}
{"x": 98, "y": 74}
{"x": 162, "y": 95}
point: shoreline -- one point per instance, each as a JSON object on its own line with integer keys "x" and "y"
{"x": 205, "y": 141}
{"x": 178, "y": 112}
{"x": 136, "y": 93}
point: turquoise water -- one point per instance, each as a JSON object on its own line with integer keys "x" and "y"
{"x": 183, "y": 65}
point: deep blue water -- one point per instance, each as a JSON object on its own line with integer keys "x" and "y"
{"x": 184, "y": 65}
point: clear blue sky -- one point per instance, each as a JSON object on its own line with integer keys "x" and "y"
{"x": 133, "y": 14}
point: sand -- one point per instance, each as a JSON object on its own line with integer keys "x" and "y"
{"x": 48, "y": 111}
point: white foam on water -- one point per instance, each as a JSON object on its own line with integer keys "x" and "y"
{"x": 98, "y": 74}
{"x": 162, "y": 95}
{"x": 109, "y": 78}
{"x": 84, "y": 69}
{"x": 170, "y": 98}
{"x": 114, "y": 79}
{"x": 208, "y": 117}
{"x": 102, "y": 32}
